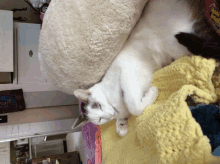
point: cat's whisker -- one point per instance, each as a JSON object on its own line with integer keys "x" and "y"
{"x": 115, "y": 109}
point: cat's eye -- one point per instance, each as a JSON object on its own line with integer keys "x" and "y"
{"x": 96, "y": 105}
{"x": 100, "y": 107}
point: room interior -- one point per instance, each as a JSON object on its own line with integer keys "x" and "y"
{"x": 36, "y": 119}
{"x": 48, "y": 113}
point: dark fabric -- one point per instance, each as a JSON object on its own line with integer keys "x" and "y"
{"x": 209, "y": 119}
{"x": 11, "y": 101}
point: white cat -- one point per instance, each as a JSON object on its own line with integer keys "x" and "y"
{"x": 127, "y": 87}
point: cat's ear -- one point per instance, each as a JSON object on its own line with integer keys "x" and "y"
{"x": 82, "y": 95}
{"x": 80, "y": 121}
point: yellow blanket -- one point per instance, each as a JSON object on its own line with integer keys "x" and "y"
{"x": 166, "y": 132}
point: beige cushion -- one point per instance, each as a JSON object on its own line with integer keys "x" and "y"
{"x": 80, "y": 38}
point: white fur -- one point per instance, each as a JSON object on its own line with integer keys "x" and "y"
{"x": 150, "y": 46}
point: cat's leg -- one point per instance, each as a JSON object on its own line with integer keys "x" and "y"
{"x": 150, "y": 96}
{"x": 138, "y": 90}
{"x": 137, "y": 104}
{"x": 122, "y": 126}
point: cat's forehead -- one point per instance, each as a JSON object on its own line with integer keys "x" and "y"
{"x": 90, "y": 105}
{"x": 93, "y": 105}
{"x": 95, "y": 99}
{"x": 97, "y": 95}
{"x": 91, "y": 110}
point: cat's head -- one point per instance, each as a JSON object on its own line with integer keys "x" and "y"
{"x": 94, "y": 108}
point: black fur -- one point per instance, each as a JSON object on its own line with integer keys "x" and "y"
{"x": 192, "y": 42}
{"x": 217, "y": 3}
{"x": 198, "y": 46}
{"x": 83, "y": 110}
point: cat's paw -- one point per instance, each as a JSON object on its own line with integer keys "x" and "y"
{"x": 150, "y": 96}
{"x": 122, "y": 127}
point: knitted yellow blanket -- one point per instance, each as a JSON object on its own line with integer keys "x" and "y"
{"x": 166, "y": 132}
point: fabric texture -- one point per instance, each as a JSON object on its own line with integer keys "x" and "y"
{"x": 80, "y": 38}
{"x": 166, "y": 132}
{"x": 208, "y": 117}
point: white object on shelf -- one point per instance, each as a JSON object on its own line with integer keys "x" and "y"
{"x": 74, "y": 141}
{"x": 6, "y": 41}
{"x": 38, "y": 3}
{"x": 28, "y": 63}
{"x": 22, "y": 141}
{"x": 27, "y": 74}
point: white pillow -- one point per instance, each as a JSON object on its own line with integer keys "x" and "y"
{"x": 80, "y": 38}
